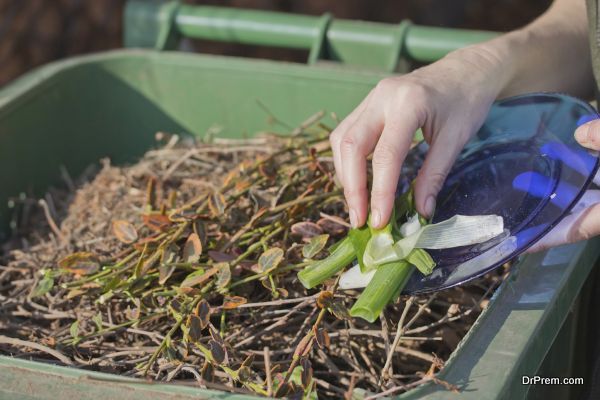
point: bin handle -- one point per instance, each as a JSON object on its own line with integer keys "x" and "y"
{"x": 161, "y": 25}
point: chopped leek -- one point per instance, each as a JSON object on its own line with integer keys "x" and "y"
{"x": 387, "y": 257}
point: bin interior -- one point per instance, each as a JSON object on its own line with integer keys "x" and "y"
{"x": 73, "y": 113}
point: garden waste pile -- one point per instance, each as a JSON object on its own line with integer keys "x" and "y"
{"x": 183, "y": 268}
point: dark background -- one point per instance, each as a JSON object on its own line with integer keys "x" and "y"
{"x": 33, "y": 32}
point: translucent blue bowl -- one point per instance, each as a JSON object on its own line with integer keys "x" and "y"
{"x": 523, "y": 164}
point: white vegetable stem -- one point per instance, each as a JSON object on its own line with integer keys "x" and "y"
{"x": 411, "y": 226}
{"x": 354, "y": 278}
{"x": 460, "y": 230}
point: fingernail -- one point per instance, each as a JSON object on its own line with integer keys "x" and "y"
{"x": 353, "y": 218}
{"x": 429, "y": 206}
{"x": 375, "y": 218}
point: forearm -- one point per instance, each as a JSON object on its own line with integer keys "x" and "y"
{"x": 550, "y": 54}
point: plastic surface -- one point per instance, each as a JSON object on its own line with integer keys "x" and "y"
{"x": 160, "y": 25}
{"x": 524, "y": 165}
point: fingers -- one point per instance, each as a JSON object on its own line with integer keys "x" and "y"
{"x": 583, "y": 223}
{"x": 336, "y": 136}
{"x": 586, "y": 226}
{"x": 355, "y": 145}
{"x": 388, "y": 157}
{"x": 439, "y": 160}
{"x": 588, "y": 135}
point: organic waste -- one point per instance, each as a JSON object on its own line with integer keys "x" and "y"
{"x": 183, "y": 268}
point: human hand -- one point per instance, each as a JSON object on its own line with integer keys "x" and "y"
{"x": 448, "y": 100}
{"x": 584, "y": 220}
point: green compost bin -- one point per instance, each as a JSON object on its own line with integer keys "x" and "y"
{"x": 72, "y": 113}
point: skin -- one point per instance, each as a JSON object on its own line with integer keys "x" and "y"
{"x": 583, "y": 224}
{"x": 449, "y": 101}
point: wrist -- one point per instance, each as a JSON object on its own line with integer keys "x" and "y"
{"x": 489, "y": 66}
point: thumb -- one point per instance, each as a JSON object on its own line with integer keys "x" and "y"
{"x": 588, "y": 135}
{"x": 583, "y": 223}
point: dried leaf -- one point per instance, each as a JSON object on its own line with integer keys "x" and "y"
{"x": 164, "y": 273}
{"x": 124, "y": 231}
{"x": 306, "y": 229}
{"x": 198, "y": 277}
{"x": 216, "y": 204}
{"x": 195, "y": 327}
{"x": 322, "y": 338}
{"x": 223, "y": 274}
{"x": 219, "y": 256}
{"x": 81, "y": 263}
{"x": 339, "y": 310}
{"x": 74, "y": 293}
{"x": 166, "y": 268}
{"x": 215, "y": 336}
{"x": 231, "y": 302}
{"x": 151, "y": 193}
{"x": 324, "y": 299}
{"x": 229, "y": 177}
{"x": 156, "y": 222}
{"x": 207, "y": 372}
{"x": 331, "y": 226}
{"x": 217, "y": 351}
{"x": 192, "y": 249}
{"x": 303, "y": 347}
{"x": 199, "y": 228}
{"x": 249, "y": 360}
{"x": 270, "y": 259}
{"x": 314, "y": 246}
{"x": 267, "y": 170}
{"x": 182, "y": 216}
{"x": 244, "y": 373}
{"x": 203, "y": 312}
{"x": 307, "y": 372}
{"x": 242, "y": 185}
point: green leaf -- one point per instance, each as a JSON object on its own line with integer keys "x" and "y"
{"x": 74, "y": 330}
{"x": 223, "y": 274}
{"x": 359, "y": 237}
{"x": 404, "y": 205}
{"x": 422, "y": 260}
{"x": 98, "y": 320}
{"x": 314, "y": 246}
{"x": 44, "y": 285}
{"x": 270, "y": 259}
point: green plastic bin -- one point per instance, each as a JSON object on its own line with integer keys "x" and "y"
{"x": 76, "y": 111}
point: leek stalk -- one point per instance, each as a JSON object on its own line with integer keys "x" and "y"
{"x": 316, "y": 273}
{"x": 386, "y": 284}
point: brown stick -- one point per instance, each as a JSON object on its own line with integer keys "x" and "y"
{"x": 268, "y": 371}
{"x": 24, "y": 343}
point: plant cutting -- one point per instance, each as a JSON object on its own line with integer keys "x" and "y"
{"x": 386, "y": 258}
